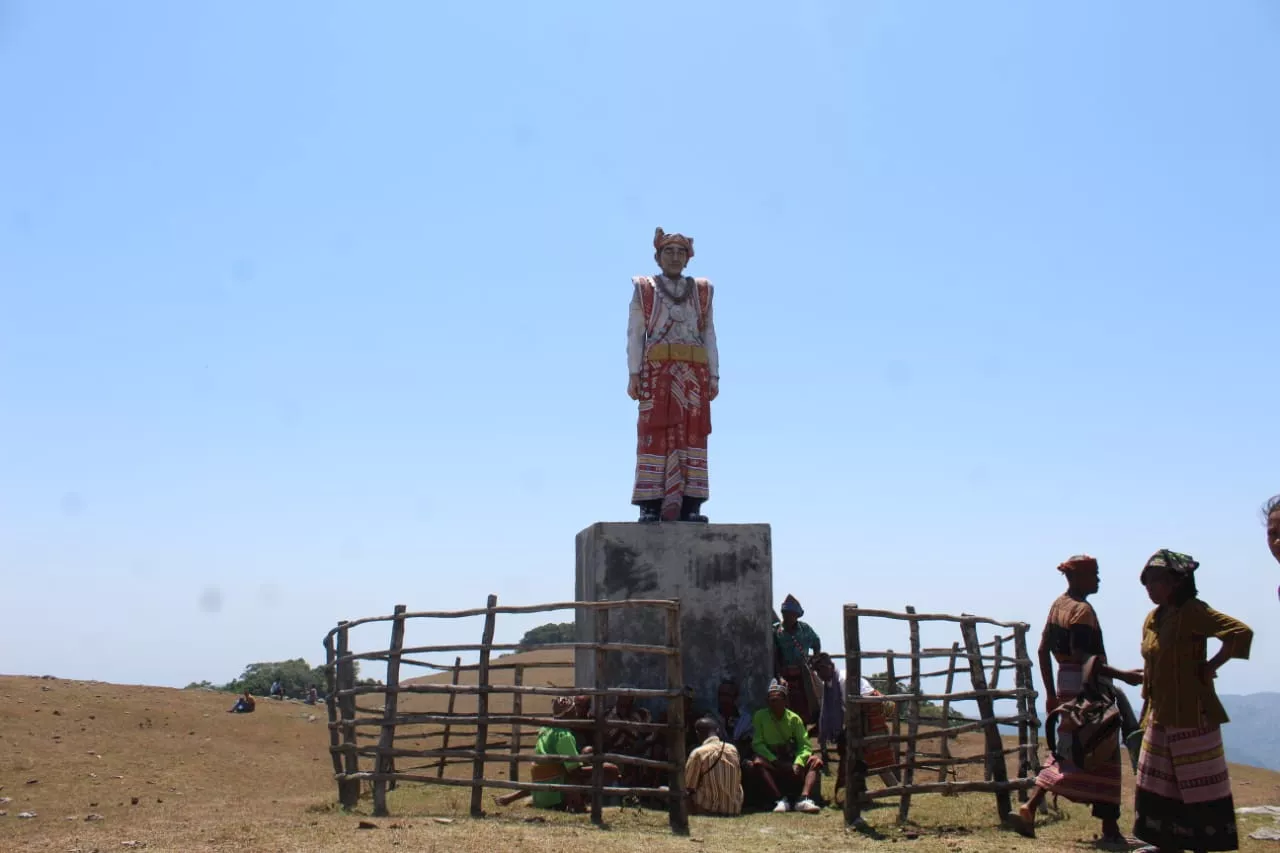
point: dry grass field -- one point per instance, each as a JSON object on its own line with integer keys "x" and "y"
{"x": 109, "y": 767}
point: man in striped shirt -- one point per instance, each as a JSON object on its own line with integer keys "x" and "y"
{"x": 713, "y": 773}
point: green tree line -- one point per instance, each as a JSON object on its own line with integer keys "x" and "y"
{"x": 297, "y": 676}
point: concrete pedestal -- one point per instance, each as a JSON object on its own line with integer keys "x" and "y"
{"x": 723, "y": 576}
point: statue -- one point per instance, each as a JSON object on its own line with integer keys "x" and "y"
{"x": 674, "y": 374}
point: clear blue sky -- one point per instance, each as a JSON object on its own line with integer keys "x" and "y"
{"x": 309, "y": 308}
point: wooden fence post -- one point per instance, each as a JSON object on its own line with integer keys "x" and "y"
{"x": 348, "y": 789}
{"x": 944, "y": 748}
{"x": 386, "y": 763}
{"x": 986, "y": 707}
{"x": 482, "y": 711}
{"x": 678, "y": 814}
{"x": 444, "y": 739}
{"x": 517, "y": 708}
{"x": 597, "y": 763}
{"x": 853, "y": 767}
{"x": 1028, "y": 760}
{"x": 895, "y": 725}
{"x": 331, "y": 705}
{"x": 998, "y": 645}
{"x": 913, "y": 719}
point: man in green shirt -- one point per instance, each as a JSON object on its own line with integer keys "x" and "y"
{"x": 784, "y": 760}
{"x": 556, "y": 740}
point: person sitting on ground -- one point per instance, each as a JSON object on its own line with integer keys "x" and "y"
{"x": 244, "y": 705}
{"x": 624, "y": 741}
{"x": 556, "y": 740}
{"x": 1071, "y": 637}
{"x": 582, "y": 711}
{"x": 784, "y": 761}
{"x": 713, "y": 774}
{"x": 733, "y": 725}
{"x": 627, "y": 741}
{"x": 794, "y": 641}
{"x": 277, "y": 690}
{"x": 313, "y": 696}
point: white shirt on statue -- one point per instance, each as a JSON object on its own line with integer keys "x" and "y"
{"x": 683, "y": 317}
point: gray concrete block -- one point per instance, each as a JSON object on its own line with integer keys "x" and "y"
{"x": 723, "y": 576}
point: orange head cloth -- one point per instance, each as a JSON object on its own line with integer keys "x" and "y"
{"x": 1080, "y": 561}
{"x": 662, "y": 239}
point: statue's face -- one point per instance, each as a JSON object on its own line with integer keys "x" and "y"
{"x": 673, "y": 259}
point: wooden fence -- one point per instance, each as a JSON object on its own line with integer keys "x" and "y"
{"x": 354, "y": 763}
{"x": 983, "y": 692}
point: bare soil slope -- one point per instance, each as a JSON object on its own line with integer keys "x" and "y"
{"x": 171, "y": 770}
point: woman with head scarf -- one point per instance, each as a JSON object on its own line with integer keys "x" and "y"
{"x": 1184, "y": 794}
{"x": 1071, "y": 636}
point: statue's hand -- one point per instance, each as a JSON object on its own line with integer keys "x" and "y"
{"x": 713, "y": 389}
{"x": 633, "y": 387}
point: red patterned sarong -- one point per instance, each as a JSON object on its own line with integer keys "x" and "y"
{"x": 1184, "y": 797}
{"x": 880, "y": 755}
{"x": 1098, "y": 787}
{"x": 675, "y": 420}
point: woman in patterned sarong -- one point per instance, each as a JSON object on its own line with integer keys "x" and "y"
{"x": 1184, "y": 797}
{"x": 1071, "y": 636}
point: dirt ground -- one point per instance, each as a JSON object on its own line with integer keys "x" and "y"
{"x": 109, "y": 767}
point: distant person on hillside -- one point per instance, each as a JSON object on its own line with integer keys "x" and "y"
{"x": 794, "y": 641}
{"x": 1184, "y": 797}
{"x": 277, "y": 690}
{"x": 784, "y": 761}
{"x": 1071, "y": 637}
{"x": 244, "y": 705}
{"x": 1271, "y": 510}
{"x": 313, "y": 696}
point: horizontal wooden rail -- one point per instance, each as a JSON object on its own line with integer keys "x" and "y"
{"x": 635, "y": 648}
{"x": 505, "y": 783}
{"x": 938, "y": 617}
{"x": 974, "y": 726}
{"x": 935, "y": 762}
{"x": 952, "y": 788}
{"x": 497, "y": 664}
{"x": 938, "y": 697}
{"x": 667, "y": 604}
{"x": 473, "y": 689}
{"x": 505, "y": 758}
{"x": 507, "y": 719}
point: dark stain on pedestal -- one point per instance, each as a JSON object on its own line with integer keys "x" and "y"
{"x": 725, "y": 568}
{"x": 622, "y": 577}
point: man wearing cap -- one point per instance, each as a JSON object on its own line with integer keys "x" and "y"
{"x": 794, "y": 641}
{"x": 558, "y": 740}
{"x": 674, "y": 373}
{"x": 784, "y": 759}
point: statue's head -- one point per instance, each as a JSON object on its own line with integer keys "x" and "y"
{"x": 672, "y": 252}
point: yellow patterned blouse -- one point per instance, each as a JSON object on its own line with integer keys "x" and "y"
{"x": 1173, "y": 648}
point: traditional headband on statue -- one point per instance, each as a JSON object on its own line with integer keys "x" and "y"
{"x": 661, "y": 240}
